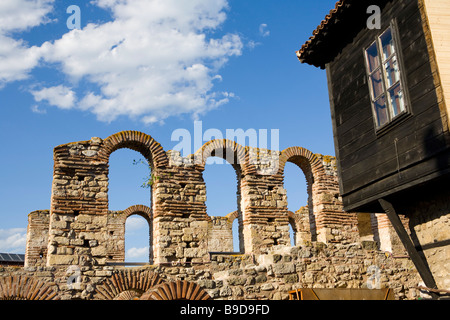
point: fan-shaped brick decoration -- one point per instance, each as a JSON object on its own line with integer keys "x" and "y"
{"x": 25, "y": 288}
{"x": 127, "y": 285}
{"x": 128, "y": 295}
{"x": 179, "y": 290}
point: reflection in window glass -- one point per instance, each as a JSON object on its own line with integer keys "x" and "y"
{"x": 387, "y": 44}
{"x": 381, "y": 111}
{"x": 377, "y": 84}
{"x": 392, "y": 71}
{"x": 397, "y": 101}
{"x": 372, "y": 57}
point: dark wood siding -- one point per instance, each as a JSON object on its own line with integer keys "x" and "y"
{"x": 373, "y": 164}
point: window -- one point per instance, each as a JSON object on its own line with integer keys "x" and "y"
{"x": 386, "y": 87}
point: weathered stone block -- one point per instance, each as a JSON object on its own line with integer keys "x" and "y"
{"x": 63, "y": 260}
{"x": 98, "y": 251}
{"x": 283, "y": 268}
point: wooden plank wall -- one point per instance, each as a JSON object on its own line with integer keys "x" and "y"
{"x": 365, "y": 156}
{"x": 436, "y": 14}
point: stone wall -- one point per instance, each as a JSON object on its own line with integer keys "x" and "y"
{"x": 115, "y": 250}
{"x": 240, "y": 277}
{"x": 82, "y": 231}
{"x": 220, "y": 234}
{"x": 37, "y": 238}
{"x": 427, "y": 211}
{"x": 273, "y": 275}
{"x": 79, "y": 238}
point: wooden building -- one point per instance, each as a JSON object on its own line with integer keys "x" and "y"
{"x": 388, "y": 69}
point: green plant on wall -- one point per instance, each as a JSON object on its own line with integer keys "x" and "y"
{"x": 151, "y": 178}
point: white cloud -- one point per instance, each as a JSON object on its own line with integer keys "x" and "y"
{"x": 253, "y": 44}
{"x": 154, "y": 60}
{"x": 16, "y": 15}
{"x": 135, "y": 223}
{"x": 141, "y": 254}
{"x": 16, "y": 58}
{"x": 35, "y": 109}
{"x": 59, "y": 96}
{"x": 13, "y": 240}
{"x": 263, "y": 30}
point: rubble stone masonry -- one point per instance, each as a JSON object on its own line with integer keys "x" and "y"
{"x": 80, "y": 238}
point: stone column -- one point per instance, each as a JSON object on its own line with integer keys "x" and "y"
{"x": 79, "y": 205}
{"x": 37, "y": 238}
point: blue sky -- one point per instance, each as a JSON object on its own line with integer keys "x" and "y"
{"x": 153, "y": 66}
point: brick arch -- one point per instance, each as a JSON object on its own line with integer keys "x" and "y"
{"x": 314, "y": 172}
{"x": 179, "y": 290}
{"x": 137, "y": 141}
{"x": 232, "y": 216}
{"x": 240, "y": 155}
{"x": 126, "y": 285}
{"x": 141, "y": 210}
{"x": 25, "y": 288}
{"x": 311, "y": 166}
{"x": 241, "y": 165}
{"x": 119, "y": 227}
{"x": 292, "y": 220}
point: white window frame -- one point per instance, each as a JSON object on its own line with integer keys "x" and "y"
{"x": 386, "y": 89}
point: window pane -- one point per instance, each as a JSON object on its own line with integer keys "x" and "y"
{"x": 392, "y": 71}
{"x": 381, "y": 111}
{"x": 387, "y": 44}
{"x": 372, "y": 57}
{"x": 397, "y": 100}
{"x": 377, "y": 84}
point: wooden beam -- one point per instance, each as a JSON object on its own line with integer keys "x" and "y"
{"x": 418, "y": 261}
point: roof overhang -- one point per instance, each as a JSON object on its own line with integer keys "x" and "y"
{"x": 336, "y": 31}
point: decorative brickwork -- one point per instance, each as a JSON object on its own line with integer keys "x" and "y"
{"x": 77, "y": 247}
{"x": 179, "y": 290}
{"x": 115, "y": 249}
{"x": 25, "y": 288}
{"x": 83, "y": 232}
{"x": 127, "y": 285}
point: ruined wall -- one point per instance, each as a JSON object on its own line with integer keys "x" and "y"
{"x": 237, "y": 277}
{"x": 82, "y": 231}
{"x": 220, "y": 234}
{"x": 73, "y": 249}
{"x": 37, "y": 237}
{"x": 116, "y": 231}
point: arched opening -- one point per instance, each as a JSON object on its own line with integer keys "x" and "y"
{"x": 223, "y": 197}
{"x": 137, "y": 239}
{"x": 236, "y": 232}
{"x": 298, "y": 199}
{"x": 129, "y": 173}
{"x": 292, "y": 235}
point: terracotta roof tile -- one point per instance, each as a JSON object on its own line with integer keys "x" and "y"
{"x": 333, "y": 12}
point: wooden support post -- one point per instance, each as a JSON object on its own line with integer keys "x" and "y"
{"x": 418, "y": 261}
